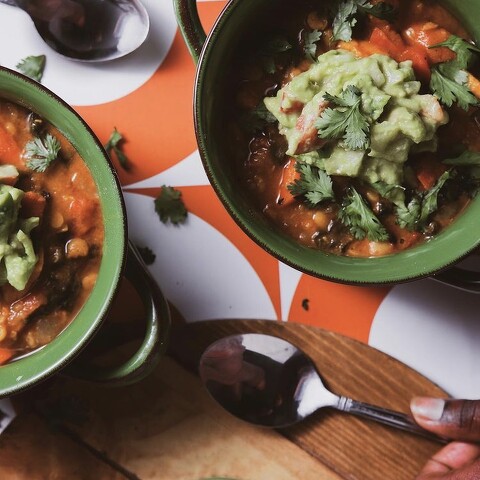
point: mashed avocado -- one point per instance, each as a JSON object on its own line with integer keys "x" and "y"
{"x": 401, "y": 120}
{"x": 17, "y": 256}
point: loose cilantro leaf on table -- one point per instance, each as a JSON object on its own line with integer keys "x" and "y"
{"x": 40, "y": 153}
{"x": 347, "y": 16}
{"x": 362, "y": 222}
{"x": 450, "y": 79}
{"x": 33, "y": 66}
{"x": 170, "y": 207}
{"x": 115, "y": 143}
{"x": 345, "y": 120}
{"x": 414, "y": 216}
{"x": 310, "y": 43}
{"x": 313, "y": 183}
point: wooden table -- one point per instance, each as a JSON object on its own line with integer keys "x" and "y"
{"x": 167, "y": 427}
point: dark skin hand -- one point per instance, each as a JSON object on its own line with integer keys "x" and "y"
{"x": 460, "y": 421}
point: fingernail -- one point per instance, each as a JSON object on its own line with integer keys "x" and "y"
{"x": 428, "y": 408}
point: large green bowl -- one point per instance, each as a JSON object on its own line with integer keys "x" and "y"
{"x": 215, "y": 55}
{"x": 25, "y": 372}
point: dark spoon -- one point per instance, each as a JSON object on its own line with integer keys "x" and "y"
{"x": 267, "y": 381}
{"x": 88, "y": 30}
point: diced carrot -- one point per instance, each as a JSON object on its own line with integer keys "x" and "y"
{"x": 428, "y": 170}
{"x": 33, "y": 205}
{"x": 289, "y": 175}
{"x": 426, "y": 35}
{"x": 388, "y": 40}
{"x": 419, "y": 59}
{"x": 9, "y": 151}
{"x": 5, "y": 355}
{"x": 474, "y": 85}
{"x": 361, "y": 48}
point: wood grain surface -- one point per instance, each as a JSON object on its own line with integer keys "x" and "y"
{"x": 168, "y": 428}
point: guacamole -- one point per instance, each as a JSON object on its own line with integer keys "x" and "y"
{"x": 401, "y": 120}
{"x": 17, "y": 256}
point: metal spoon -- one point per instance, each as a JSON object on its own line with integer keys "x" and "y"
{"x": 88, "y": 30}
{"x": 268, "y": 381}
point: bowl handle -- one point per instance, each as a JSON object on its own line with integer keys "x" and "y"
{"x": 461, "y": 278}
{"x": 146, "y": 358}
{"x": 189, "y": 22}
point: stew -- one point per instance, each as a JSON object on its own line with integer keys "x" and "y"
{"x": 51, "y": 231}
{"x": 356, "y": 124}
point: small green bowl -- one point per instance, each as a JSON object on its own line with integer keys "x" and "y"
{"x": 41, "y": 364}
{"x": 214, "y": 56}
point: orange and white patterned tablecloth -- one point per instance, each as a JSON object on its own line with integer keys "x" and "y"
{"x": 208, "y": 268}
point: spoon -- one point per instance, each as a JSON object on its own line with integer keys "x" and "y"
{"x": 88, "y": 30}
{"x": 267, "y": 381}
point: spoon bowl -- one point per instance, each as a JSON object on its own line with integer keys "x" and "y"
{"x": 88, "y": 30}
{"x": 267, "y": 381}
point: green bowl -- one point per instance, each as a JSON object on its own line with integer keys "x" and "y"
{"x": 215, "y": 55}
{"x": 27, "y": 371}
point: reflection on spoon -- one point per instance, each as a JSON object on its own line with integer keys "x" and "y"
{"x": 268, "y": 381}
{"x": 88, "y": 30}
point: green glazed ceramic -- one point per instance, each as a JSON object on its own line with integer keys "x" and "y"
{"x": 25, "y": 372}
{"x": 213, "y": 55}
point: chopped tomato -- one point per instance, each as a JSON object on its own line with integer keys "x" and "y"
{"x": 82, "y": 211}
{"x": 426, "y": 35}
{"x": 428, "y": 170}
{"x": 388, "y": 40}
{"x": 5, "y": 355}
{"x": 289, "y": 175}
{"x": 419, "y": 60}
{"x": 9, "y": 151}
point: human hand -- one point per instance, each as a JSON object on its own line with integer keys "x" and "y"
{"x": 458, "y": 420}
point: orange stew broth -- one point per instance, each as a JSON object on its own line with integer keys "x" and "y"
{"x": 266, "y": 171}
{"x": 68, "y": 241}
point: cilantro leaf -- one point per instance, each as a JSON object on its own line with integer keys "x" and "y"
{"x": 415, "y": 215}
{"x": 313, "y": 183}
{"x": 408, "y": 215}
{"x": 40, "y": 153}
{"x": 346, "y": 17}
{"x": 310, "y": 43}
{"x": 359, "y": 218}
{"x": 466, "y": 159}
{"x": 450, "y": 84}
{"x": 450, "y": 79}
{"x": 461, "y": 47}
{"x": 32, "y": 66}
{"x": 346, "y": 120}
{"x": 169, "y": 206}
{"x": 114, "y": 144}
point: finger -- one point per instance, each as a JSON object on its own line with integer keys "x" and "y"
{"x": 455, "y": 456}
{"x": 456, "y": 419}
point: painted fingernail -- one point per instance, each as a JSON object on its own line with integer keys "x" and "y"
{"x": 428, "y": 408}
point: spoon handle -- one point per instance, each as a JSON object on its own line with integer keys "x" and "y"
{"x": 387, "y": 417}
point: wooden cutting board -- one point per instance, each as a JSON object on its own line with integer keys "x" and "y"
{"x": 167, "y": 427}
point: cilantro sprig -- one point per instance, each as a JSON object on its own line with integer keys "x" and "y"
{"x": 450, "y": 79}
{"x": 415, "y": 214}
{"x": 314, "y": 184}
{"x": 465, "y": 159}
{"x": 170, "y": 207}
{"x": 39, "y": 154}
{"x": 310, "y": 43}
{"x": 346, "y": 120}
{"x": 33, "y": 66}
{"x": 270, "y": 50}
{"x": 359, "y": 218}
{"x": 348, "y": 14}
